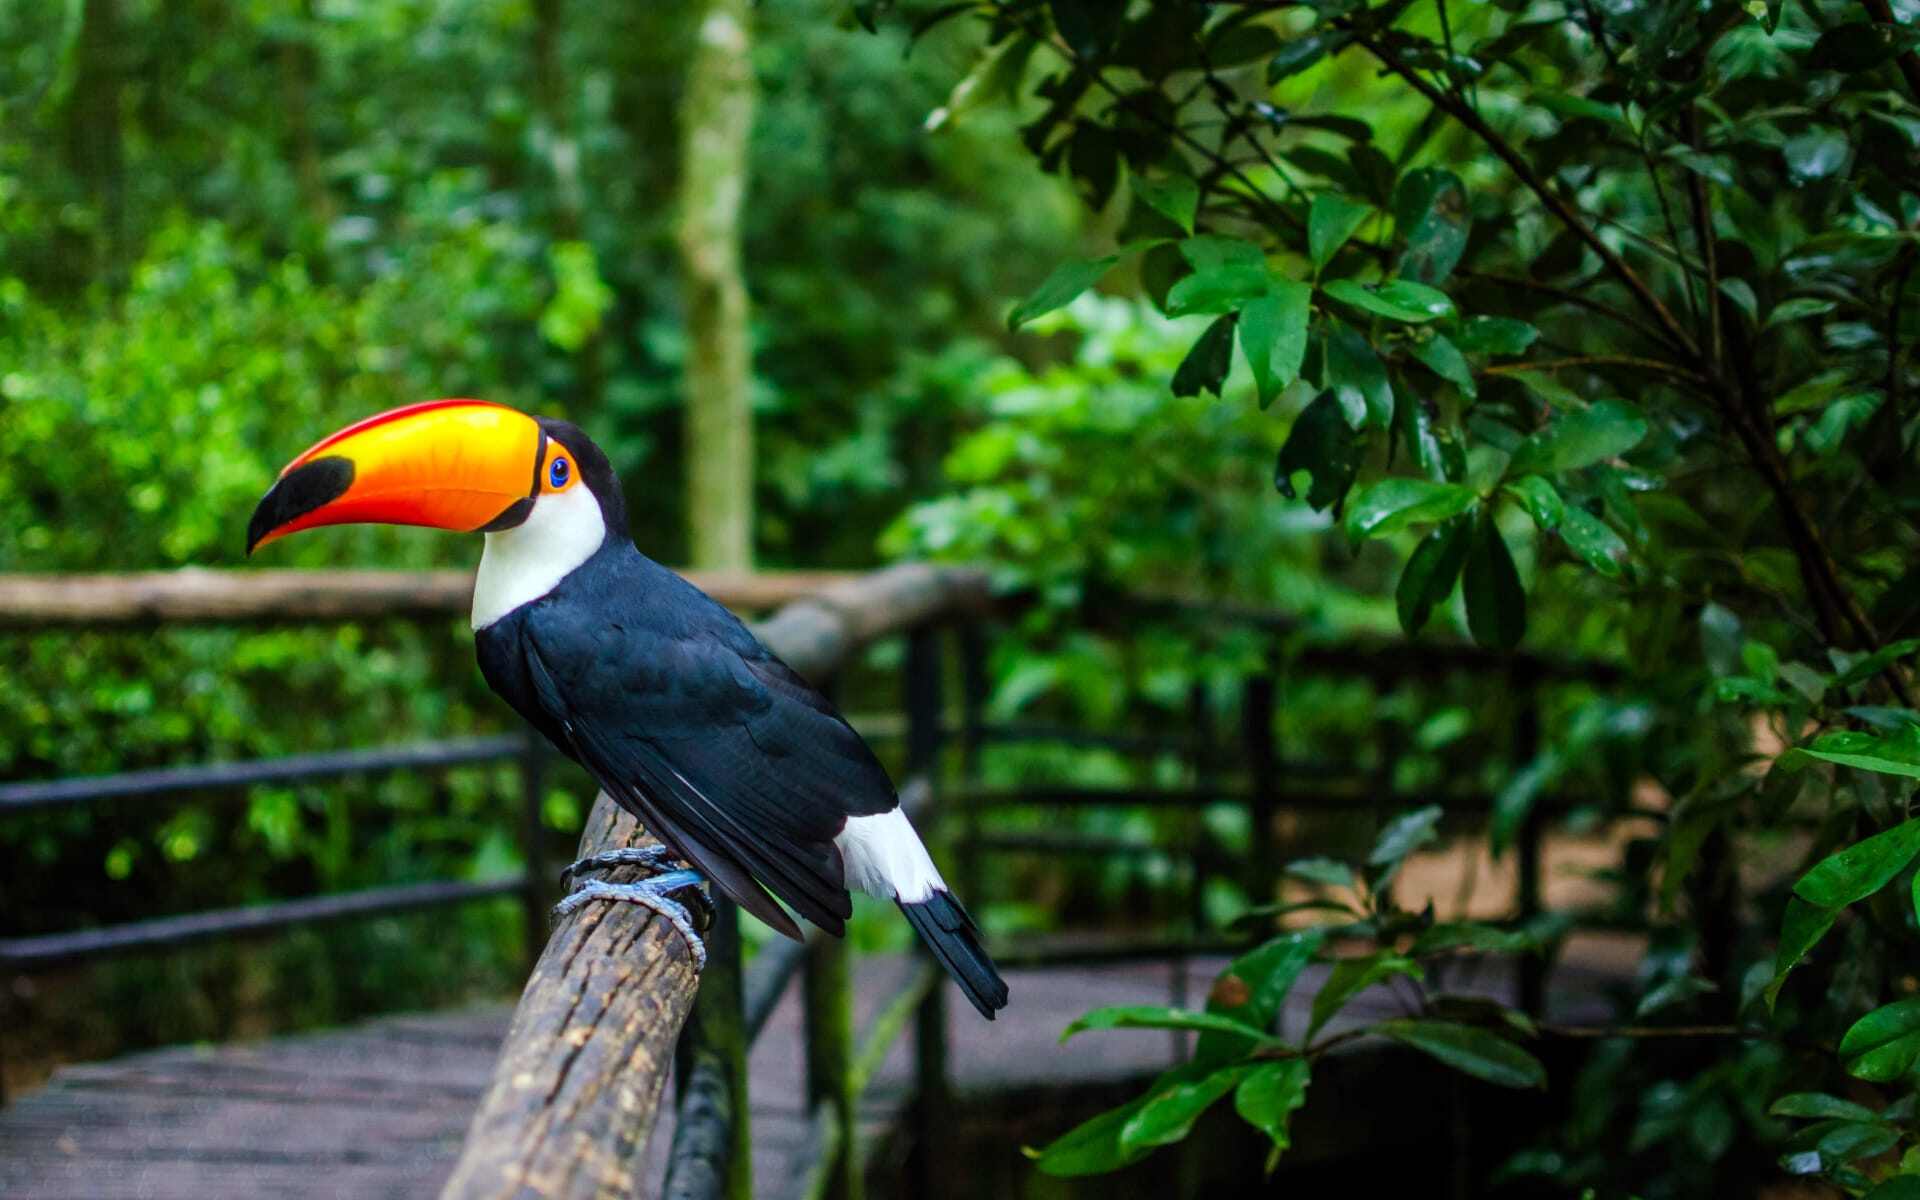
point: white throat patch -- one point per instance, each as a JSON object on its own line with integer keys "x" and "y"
{"x": 526, "y": 562}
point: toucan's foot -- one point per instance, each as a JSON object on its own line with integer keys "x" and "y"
{"x": 655, "y": 894}
{"x": 653, "y": 858}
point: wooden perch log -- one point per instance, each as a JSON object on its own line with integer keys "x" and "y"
{"x": 578, "y": 1083}
{"x": 199, "y": 594}
{"x": 577, "y": 1087}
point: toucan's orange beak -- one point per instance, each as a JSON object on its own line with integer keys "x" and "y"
{"x": 449, "y": 464}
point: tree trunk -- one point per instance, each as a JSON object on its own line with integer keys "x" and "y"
{"x": 717, "y": 119}
{"x": 94, "y": 130}
{"x": 555, "y": 143}
{"x": 299, "y": 76}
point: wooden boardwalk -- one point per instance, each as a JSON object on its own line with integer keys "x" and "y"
{"x": 380, "y": 1109}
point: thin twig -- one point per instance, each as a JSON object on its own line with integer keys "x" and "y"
{"x": 1882, "y": 12}
{"x": 1566, "y": 296}
{"x": 1598, "y": 360}
{"x": 1703, "y": 233}
{"x": 1663, "y": 317}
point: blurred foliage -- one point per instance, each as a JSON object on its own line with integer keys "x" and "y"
{"x": 227, "y": 228}
{"x": 1590, "y": 326}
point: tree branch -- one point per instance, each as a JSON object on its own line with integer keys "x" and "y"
{"x": 1670, "y": 327}
{"x": 1599, "y": 360}
{"x": 1882, "y": 12}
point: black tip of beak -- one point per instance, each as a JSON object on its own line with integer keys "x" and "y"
{"x": 297, "y": 493}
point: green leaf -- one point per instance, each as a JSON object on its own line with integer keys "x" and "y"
{"x": 1800, "y": 931}
{"x": 1326, "y": 447}
{"x": 1581, "y": 437}
{"x": 1862, "y": 868}
{"x": 1430, "y": 573}
{"x": 1321, "y": 870}
{"x": 1174, "y": 197}
{"x": 1216, "y": 289}
{"x": 1267, "y": 1097}
{"x": 1176, "y": 1102}
{"x": 1273, "y": 336}
{"x": 1540, "y": 500}
{"x": 1866, "y": 668}
{"x": 1816, "y": 154}
{"x": 1159, "y": 1016}
{"x": 1820, "y": 1106}
{"x": 995, "y": 77}
{"x": 1471, "y": 935}
{"x": 1252, "y": 989}
{"x": 1430, "y": 211}
{"x": 1883, "y": 1045}
{"x": 1330, "y": 222}
{"x": 1212, "y": 252}
{"x": 1900, "y": 1187}
{"x": 1206, "y": 365}
{"x": 1898, "y": 753}
{"x": 1798, "y": 309}
{"x": 1741, "y": 293}
{"x": 1092, "y": 1147}
{"x": 1415, "y": 426}
{"x": 1068, "y": 280}
{"x": 1444, "y": 359}
{"x": 1495, "y": 335}
{"x": 1674, "y": 991}
{"x": 1358, "y": 377}
{"x": 1496, "y": 603}
{"x": 1404, "y": 834}
{"x": 1593, "y": 540}
{"x": 1350, "y": 977}
{"x": 1401, "y": 300}
{"x": 1302, "y": 52}
{"x": 1391, "y": 505}
{"x": 1516, "y": 797}
{"x": 1477, "y": 1052}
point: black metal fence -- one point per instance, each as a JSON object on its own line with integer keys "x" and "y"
{"x": 708, "y": 1157}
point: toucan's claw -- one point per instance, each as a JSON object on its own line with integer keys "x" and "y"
{"x": 651, "y": 858}
{"x": 656, "y": 895}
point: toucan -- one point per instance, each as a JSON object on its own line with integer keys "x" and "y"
{"x": 740, "y": 767}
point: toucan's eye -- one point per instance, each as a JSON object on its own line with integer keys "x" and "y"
{"x": 558, "y": 472}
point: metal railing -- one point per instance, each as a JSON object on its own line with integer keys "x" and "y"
{"x": 734, "y": 1002}
{"x": 160, "y": 933}
{"x": 30, "y": 603}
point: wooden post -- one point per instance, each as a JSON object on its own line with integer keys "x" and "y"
{"x": 925, "y": 735}
{"x": 829, "y": 1038}
{"x": 579, "y": 1080}
{"x": 712, "y": 1150}
{"x": 974, "y": 687}
{"x": 1200, "y": 729}
{"x": 1256, "y": 732}
{"x": 1527, "y": 843}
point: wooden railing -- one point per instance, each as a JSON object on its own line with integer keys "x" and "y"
{"x": 613, "y": 1006}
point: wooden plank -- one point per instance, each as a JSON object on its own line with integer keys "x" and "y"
{"x": 208, "y": 1123}
{"x": 202, "y": 594}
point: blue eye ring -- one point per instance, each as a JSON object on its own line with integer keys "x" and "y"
{"x": 558, "y": 472}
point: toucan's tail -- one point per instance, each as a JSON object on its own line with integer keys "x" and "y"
{"x": 950, "y": 933}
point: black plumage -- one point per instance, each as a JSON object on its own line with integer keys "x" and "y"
{"x": 693, "y": 726}
{"x": 712, "y": 742}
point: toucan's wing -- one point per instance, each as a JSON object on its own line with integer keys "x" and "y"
{"x": 745, "y": 767}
